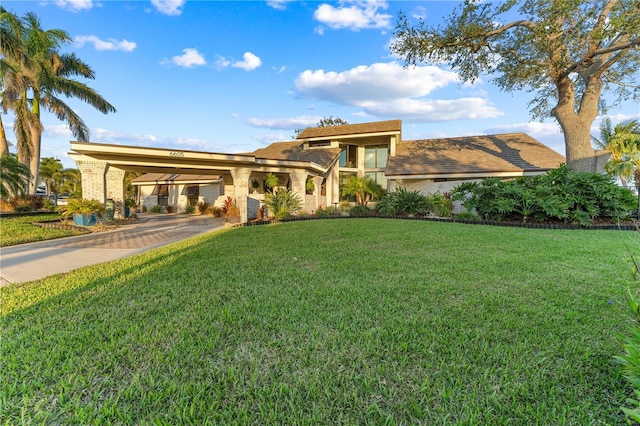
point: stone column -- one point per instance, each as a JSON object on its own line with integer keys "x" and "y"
{"x": 93, "y": 179}
{"x": 298, "y": 185}
{"x": 241, "y": 190}
{"x": 116, "y": 189}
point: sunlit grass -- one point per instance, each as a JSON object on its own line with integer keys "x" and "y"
{"x": 327, "y": 322}
{"x": 20, "y": 230}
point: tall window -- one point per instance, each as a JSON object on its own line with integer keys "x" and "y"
{"x": 375, "y": 157}
{"x": 348, "y": 156}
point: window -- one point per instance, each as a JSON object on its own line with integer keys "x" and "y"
{"x": 317, "y": 144}
{"x": 343, "y": 179}
{"x": 349, "y": 156}
{"x": 375, "y": 157}
{"x": 378, "y": 177}
{"x": 323, "y": 187}
{"x": 192, "y": 192}
{"x": 162, "y": 191}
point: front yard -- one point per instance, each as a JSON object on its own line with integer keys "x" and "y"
{"x": 359, "y": 321}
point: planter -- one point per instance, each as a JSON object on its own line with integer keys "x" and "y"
{"x": 232, "y": 219}
{"x": 126, "y": 211}
{"x": 85, "y": 219}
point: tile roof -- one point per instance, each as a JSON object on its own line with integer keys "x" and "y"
{"x": 293, "y": 151}
{"x": 512, "y": 152}
{"x": 351, "y": 129}
{"x": 163, "y": 177}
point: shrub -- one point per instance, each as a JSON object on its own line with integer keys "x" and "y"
{"x": 156, "y": 209}
{"x": 440, "y": 204}
{"x": 360, "y": 211}
{"x": 322, "y": 212}
{"x": 144, "y": 208}
{"x": 170, "y": 209}
{"x": 190, "y": 209}
{"x": 203, "y": 207}
{"x": 36, "y": 202}
{"x": 561, "y": 194}
{"x": 467, "y": 216}
{"x": 283, "y": 203}
{"x": 402, "y": 202}
{"x": 23, "y": 208}
{"x": 215, "y": 211}
{"x": 229, "y": 208}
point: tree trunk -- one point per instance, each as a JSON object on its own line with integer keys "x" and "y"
{"x": 34, "y": 161}
{"x": 577, "y": 126}
{"x": 4, "y": 145}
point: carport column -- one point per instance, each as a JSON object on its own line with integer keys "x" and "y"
{"x": 298, "y": 185}
{"x": 116, "y": 189}
{"x": 93, "y": 179}
{"x": 241, "y": 190}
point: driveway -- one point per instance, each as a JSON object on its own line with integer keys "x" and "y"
{"x": 33, "y": 261}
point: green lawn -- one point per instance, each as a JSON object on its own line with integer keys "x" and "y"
{"x": 359, "y": 321}
{"x": 20, "y": 230}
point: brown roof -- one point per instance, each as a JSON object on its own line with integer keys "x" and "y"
{"x": 293, "y": 151}
{"x": 351, "y": 129}
{"x": 512, "y": 152}
{"x": 172, "y": 177}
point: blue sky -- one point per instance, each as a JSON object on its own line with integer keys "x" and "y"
{"x": 235, "y": 76}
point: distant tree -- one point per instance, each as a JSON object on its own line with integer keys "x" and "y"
{"x": 51, "y": 174}
{"x": 14, "y": 176}
{"x": 566, "y": 51}
{"x": 34, "y": 75}
{"x": 72, "y": 182}
{"x": 324, "y": 122}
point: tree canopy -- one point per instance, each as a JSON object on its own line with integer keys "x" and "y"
{"x": 567, "y": 52}
{"x": 325, "y": 122}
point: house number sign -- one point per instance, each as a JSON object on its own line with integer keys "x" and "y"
{"x": 176, "y": 154}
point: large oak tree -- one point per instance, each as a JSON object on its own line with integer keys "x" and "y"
{"x": 567, "y": 52}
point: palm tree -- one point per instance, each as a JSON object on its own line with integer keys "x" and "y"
{"x": 40, "y": 71}
{"x": 14, "y": 176}
{"x": 626, "y": 161}
{"x": 51, "y": 173}
{"x": 363, "y": 188}
{"x": 614, "y": 139}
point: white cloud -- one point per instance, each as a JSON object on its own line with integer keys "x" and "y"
{"x": 420, "y": 12}
{"x": 54, "y": 130}
{"x": 109, "y": 136}
{"x": 269, "y": 138}
{"x": 169, "y": 7}
{"x": 381, "y": 81}
{"x": 353, "y": 14}
{"x": 75, "y": 5}
{"x": 285, "y": 123}
{"x": 278, "y": 4}
{"x": 549, "y": 133}
{"x": 390, "y": 90}
{"x": 249, "y": 63}
{"x": 279, "y": 70}
{"x": 110, "y": 44}
{"x": 190, "y": 58}
{"x": 535, "y": 129}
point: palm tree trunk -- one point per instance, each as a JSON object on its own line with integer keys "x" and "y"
{"x": 34, "y": 161}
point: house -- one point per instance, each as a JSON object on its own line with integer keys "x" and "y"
{"x": 314, "y": 166}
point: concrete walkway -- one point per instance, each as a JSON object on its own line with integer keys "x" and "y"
{"x": 33, "y": 261}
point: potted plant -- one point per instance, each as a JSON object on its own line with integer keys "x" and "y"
{"x": 255, "y": 185}
{"x": 83, "y": 211}
{"x": 128, "y": 204}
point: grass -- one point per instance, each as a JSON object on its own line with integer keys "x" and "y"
{"x": 361, "y": 321}
{"x": 20, "y": 230}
